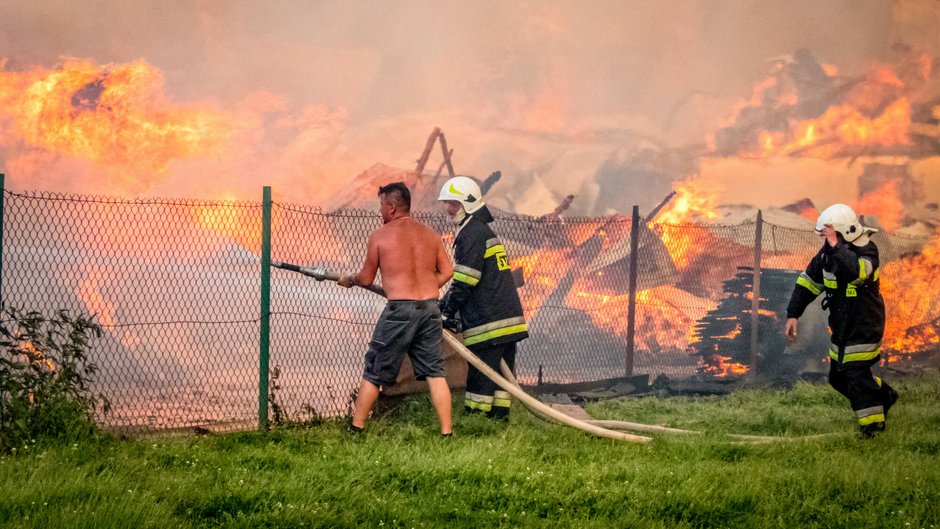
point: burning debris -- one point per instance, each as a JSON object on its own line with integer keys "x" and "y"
{"x": 806, "y": 108}
{"x": 723, "y": 336}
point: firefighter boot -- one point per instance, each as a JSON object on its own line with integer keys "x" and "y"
{"x": 890, "y": 397}
{"x": 868, "y": 431}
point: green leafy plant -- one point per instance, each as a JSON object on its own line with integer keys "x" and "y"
{"x": 45, "y": 377}
{"x": 279, "y": 417}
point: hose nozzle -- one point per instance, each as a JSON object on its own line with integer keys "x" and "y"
{"x": 320, "y": 273}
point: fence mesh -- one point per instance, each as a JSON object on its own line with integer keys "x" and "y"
{"x": 176, "y": 286}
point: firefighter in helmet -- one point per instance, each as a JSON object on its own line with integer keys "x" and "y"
{"x": 846, "y": 269}
{"x": 482, "y": 299}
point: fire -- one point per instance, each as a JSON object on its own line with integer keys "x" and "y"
{"x": 34, "y": 356}
{"x": 226, "y": 219}
{"x": 665, "y": 316}
{"x": 542, "y": 271}
{"x": 721, "y": 366}
{"x": 884, "y": 203}
{"x": 691, "y": 202}
{"x": 838, "y": 128}
{"x": 805, "y": 108}
{"x": 114, "y": 115}
{"x": 909, "y": 287}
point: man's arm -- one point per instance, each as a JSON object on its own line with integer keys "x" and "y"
{"x": 807, "y": 288}
{"x": 851, "y": 267}
{"x": 445, "y": 270}
{"x": 365, "y": 276}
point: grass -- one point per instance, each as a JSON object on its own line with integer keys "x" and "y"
{"x": 527, "y": 474}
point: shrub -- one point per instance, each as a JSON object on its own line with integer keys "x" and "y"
{"x": 45, "y": 377}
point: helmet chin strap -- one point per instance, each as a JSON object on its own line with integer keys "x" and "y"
{"x": 864, "y": 238}
{"x": 459, "y": 216}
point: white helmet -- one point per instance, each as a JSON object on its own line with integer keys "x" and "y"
{"x": 844, "y": 220}
{"x": 463, "y": 190}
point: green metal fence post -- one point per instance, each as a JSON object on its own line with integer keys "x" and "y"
{"x": 265, "y": 334}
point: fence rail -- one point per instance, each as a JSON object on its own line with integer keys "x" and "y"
{"x": 180, "y": 289}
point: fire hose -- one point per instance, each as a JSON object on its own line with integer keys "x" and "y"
{"x": 320, "y": 274}
{"x": 543, "y": 410}
{"x": 609, "y": 429}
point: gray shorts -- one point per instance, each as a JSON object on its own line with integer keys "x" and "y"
{"x": 405, "y": 327}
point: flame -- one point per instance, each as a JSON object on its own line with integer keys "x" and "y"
{"x": 721, "y": 366}
{"x": 225, "y": 219}
{"x": 869, "y": 112}
{"x": 34, "y": 356}
{"x": 692, "y": 201}
{"x": 841, "y": 126}
{"x": 830, "y": 69}
{"x": 661, "y": 319}
{"x": 542, "y": 271}
{"x": 113, "y": 115}
{"x": 909, "y": 286}
{"x": 885, "y": 203}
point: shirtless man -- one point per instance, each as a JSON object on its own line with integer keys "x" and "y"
{"x": 414, "y": 267}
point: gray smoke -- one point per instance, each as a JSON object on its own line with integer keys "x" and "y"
{"x": 563, "y": 97}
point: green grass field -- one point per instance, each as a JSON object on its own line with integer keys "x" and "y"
{"x": 527, "y": 474}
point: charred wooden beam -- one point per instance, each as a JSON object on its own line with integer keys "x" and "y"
{"x": 562, "y": 207}
{"x": 423, "y": 160}
{"x": 490, "y": 181}
{"x": 447, "y": 154}
{"x": 660, "y": 206}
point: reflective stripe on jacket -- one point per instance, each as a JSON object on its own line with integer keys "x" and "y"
{"x": 483, "y": 291}
{"x": 849, "y": 277}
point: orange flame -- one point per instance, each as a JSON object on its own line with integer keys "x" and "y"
{"x": 113, "y": 115}
{"x": 885, "y": 203}
{"x": 909, "y": 286}
{"x": 839, "y": 127}
{"x": 869, "y": 112}
{"x": 660, "y": 321}
{"x": 34, "y": 356}
{"x": 720, "y": 366}
{"x": 691, "y": 202}
{"x": 542, "y": 271}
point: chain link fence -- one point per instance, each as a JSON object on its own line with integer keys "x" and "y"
{"x": 175, "y": 284}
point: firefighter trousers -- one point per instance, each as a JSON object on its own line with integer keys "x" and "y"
{"x": 483, "y": 395}
{"x": 869, "y": 395}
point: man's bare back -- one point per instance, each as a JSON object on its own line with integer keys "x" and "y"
{"x": 410, "y": 255}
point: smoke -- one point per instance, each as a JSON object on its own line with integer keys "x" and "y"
{"x": 564, "y": 97}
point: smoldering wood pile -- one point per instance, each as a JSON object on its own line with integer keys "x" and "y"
{"x": 724, "y": 334}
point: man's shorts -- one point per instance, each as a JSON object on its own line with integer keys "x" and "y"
{"x": 405, "y": 327}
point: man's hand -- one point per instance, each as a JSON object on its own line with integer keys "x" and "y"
{"x": 346, "y": 281}
{"x": 790, "y": 330}
{"x": 829, "y": 233}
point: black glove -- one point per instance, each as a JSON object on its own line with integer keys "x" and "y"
{"x": 451, "y": 324}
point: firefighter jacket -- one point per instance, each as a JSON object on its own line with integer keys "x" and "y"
{"x": 849, "y": 276}
{"x": 482, "y": 291}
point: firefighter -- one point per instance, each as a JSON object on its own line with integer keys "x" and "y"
{"x": 846, "y": 268}
{"x": 482, "y": 299}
